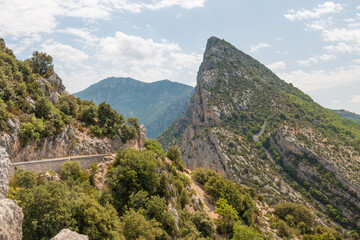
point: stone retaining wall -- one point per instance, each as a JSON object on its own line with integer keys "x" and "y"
{"x": 54, "y": 164}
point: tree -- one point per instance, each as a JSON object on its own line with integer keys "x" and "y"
{"x": 174, "y": 154}
{"x": 203, "y": 223}
{"x": 157, "y": 208}
{"x": 42, "y": 63}
{"x": 133, "y": 170}
{"x": 73, "y": 172}
{"x": 245, "y": 233}
{"x": 298, "y": 212}
{"x": 155, "y": 146}
{"x": 88, "y": 114}
{"x": 228, "y": 217}
{"x": 43, "y": 107}
{"x": 135, "y": 226}
{"x": 94, "y": 220}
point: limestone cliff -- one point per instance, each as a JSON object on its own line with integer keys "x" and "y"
{"x": 11, "y": 215}
{"x": 70, "y": 142}
{"x": 251, "y": 126}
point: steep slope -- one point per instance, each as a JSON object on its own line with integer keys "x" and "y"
{"x": 156, "y": 104}
{"x": 347, "y": 114}
{"x": 39, "y": 119}
{"x": 251, "y": 126}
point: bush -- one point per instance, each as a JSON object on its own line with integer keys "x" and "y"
{"x": 203, "y": 223}
{"x": 72, "y": 171}
{"x": 298, "y": 212}
{"x": 228, "y": 217}
{"x": 155, "y": 146}
{"x": 245, "y": 233}
{"x": 133, "y": 170}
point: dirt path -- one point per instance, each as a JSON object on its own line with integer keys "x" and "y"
{"x": 257, "y": 136}
{"x": 208, "y": 207}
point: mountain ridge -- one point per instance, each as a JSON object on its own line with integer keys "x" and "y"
{"x": 303, "y": 144}
{"x": 155, "y": 104}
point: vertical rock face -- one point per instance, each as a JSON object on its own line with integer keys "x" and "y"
{"x": 11, "y": 215}
{"x": 67, "y": 234}
{"x": 4, "y": 172}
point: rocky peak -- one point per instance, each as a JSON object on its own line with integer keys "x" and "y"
{"x": 238, "y": 102}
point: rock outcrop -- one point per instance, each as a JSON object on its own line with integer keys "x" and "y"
{"x": 11, "y": 215}
{"x": 67, "y": 234}
{"x": 4, "y": 172}
{"x": 70, "y": 142}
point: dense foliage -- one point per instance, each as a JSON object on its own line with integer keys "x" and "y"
{"x": 27, "y": 90}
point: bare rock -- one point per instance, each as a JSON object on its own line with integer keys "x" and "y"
{"x": 11, "y": 218}
{"x": 67, "y": 234}
{"x": 4, "y": 173}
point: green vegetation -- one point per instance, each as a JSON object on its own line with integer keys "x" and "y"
{"x": 156, "y": 104}
{"x": 26, "y": 88}
{"x": 142, "y": 186}
{"x": 346, "y": 114}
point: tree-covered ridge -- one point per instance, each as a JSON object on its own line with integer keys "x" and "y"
{"x": 347, "y": 114}
{"x": 155, "y": 104}
{"x": 33, "y": 93}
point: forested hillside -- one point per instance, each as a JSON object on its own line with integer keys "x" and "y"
{"x": 155, "y": 104}
{"x": 34, "y": 106}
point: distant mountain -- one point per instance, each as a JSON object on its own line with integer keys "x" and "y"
{"x": 156, "y": 104}
{"x": 347, "y": 114}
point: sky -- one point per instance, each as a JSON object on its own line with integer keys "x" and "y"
{"x": 313, "y": 44}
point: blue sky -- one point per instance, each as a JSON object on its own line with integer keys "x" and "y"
{"x": 313, "y": 44}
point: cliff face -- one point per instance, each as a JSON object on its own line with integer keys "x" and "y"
{"x": 70, "y": 142}
{"x": 254, "y": 128}
{"x": 11, "y": 215}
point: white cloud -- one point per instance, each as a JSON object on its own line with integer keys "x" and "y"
{"x": 355, "y": 99}
{"x": 343, "y": 48}
{"x": 316, "y": 12}
{"x": 25, "y": 43}
{"x": 357, "y": 60}
{"x": 24, "y": 18}
{"x": 342, "y": 34}
{"x": 137, "y": 7}
{"x": 256, "y": 48}
{"x": 129, "y": 49}
{"x": 82, "y": 33}
{"x": 277, "y": 65}
{"x": 282, "y": 52}
{"x": 335, "y": 101}
{"x": 307, "y": 62}
{"x": 64, "y": 53}
{"x": 323, "y": 79}
{"x": 134, "y": 50}
{"x": 358, "y": 7}
{"x": 327, "y": 57}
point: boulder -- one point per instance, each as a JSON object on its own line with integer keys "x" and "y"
{"x": 67, "y": 234}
